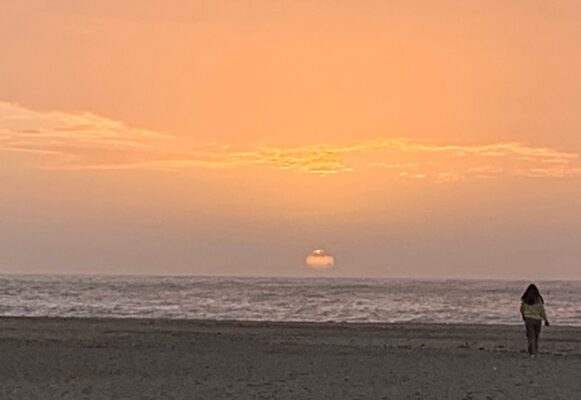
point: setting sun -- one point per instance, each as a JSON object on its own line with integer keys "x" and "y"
{"x": 320, "y": 260}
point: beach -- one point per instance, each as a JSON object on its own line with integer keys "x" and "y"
{"x": 51, "y": 358}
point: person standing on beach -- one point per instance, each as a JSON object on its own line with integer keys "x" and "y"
{"x": 532, "y": 309}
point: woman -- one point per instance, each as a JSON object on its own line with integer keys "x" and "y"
{"x": 532, "y": 310}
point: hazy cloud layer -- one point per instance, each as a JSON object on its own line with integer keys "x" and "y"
{"x": 66, "y": 140}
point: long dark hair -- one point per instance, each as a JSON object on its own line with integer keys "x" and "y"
{"x": 532, "y": 295}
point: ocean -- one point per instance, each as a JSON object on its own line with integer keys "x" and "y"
{"x": 282, "y": 299}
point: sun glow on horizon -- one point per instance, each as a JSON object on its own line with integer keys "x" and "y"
{"x": 320, "y": 260}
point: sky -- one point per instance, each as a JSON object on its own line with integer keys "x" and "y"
{"x": 421, "y": 139}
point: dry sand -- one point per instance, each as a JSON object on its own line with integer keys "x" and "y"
{"x": 148, "y": 359}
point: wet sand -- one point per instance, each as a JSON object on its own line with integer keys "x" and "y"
{"x": 152, "y": 359}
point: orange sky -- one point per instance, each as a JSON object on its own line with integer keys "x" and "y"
{"x": 418, "y": 138}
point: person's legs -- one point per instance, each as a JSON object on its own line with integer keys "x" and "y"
{"x": 533, "y": 329}
{"x": 530, "y": 330}
{"x": 537, "y": 330}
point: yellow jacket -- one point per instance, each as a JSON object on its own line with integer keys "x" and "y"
{"x": 534, "y": 311}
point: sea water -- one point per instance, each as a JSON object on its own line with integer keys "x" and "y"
{"x": 282, "y": 299}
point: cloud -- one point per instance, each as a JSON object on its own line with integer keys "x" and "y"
{"x": 76, "y": 136}
{"x": 68, "y": 140}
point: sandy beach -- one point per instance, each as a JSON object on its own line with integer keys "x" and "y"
{"x": 155, "y": 359}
